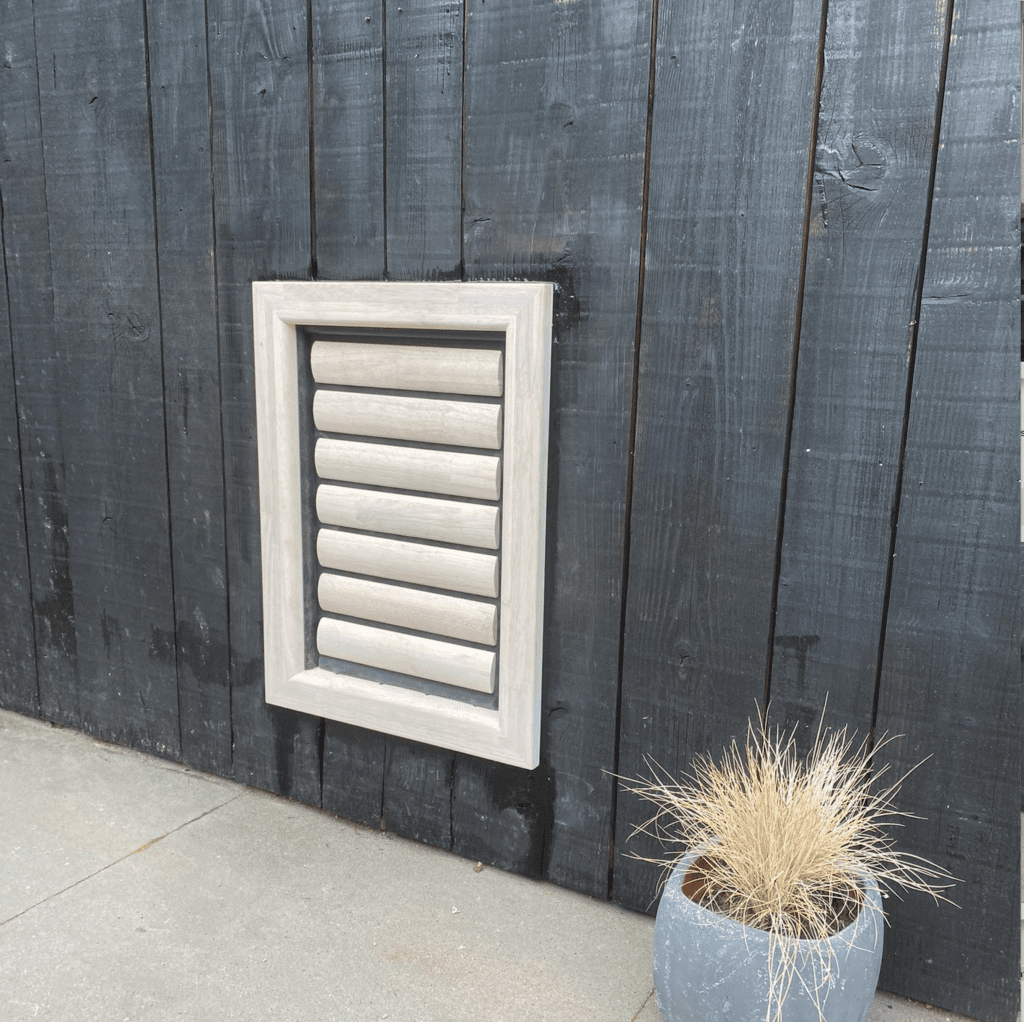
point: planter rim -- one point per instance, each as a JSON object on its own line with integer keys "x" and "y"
{"x": 869, "y": 889}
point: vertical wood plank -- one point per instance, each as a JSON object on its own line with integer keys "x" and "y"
{"x": 950, "y": 680}
{"x": 20, "y": 184}
{"x": 35, "y": 350}
{"x": 556, "y": 110}
{"x": 871, "y": 180}
{"x": 423, "y": 98}
{"x": 733, "y": 112}
{"x": 19, "y": 689}
{"x": 180, "y": 107}
{"x": 348, "y": 138}
{"x": 348, "y": 134}
{"x": 260, "y": 96}
{"x": 95, "y": 124}
{"x": 423, "y": 58}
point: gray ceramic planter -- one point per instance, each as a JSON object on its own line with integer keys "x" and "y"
{"x": 711, "y": 969}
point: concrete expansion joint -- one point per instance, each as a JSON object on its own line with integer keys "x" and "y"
{"x": 110, "y": 865}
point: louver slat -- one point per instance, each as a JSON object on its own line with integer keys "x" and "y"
{"x": 461, "y": 571}
{"x": 402, "y": 514}
{"x": 453, "y": 616}
{"x": 410, "y": 468}
{"x": 408, "y": 367}
{"x": 463, "y": 666}
{"x": 396, "y": 417}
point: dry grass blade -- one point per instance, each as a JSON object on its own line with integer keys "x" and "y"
{"x": 787, "y": 841}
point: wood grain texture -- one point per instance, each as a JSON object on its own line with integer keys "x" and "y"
{"x": 109, "y": 374}
{"x": 733, "y": 110}
{"x": 259, "y": 78}
{"x": 463, "y": 571}
{"x": 405, "y": 514}
{"x": 556, "y": 104}
{"x": 19, "y": 687}
{"x": 348, "y": 152}
{"x": 397, "y": 417}
{"x": 348, "y": 138}
{"x": 870, "y": 190}
{"x": 454, "y": 473}
{"x": 450, "y": 370}
{"x": 424, "y": 139}
{"x": 35, "y": 349}
{"x": 555, "y": 111}
{"x": 24, "y": 358}
{"x": 950, "y": 674}
{"x": 415, "y": 655}
{"x": 180, "y": 107}
{"x": 422, "y": 611}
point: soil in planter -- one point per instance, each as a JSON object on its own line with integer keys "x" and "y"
{"x": 841, "y": 905}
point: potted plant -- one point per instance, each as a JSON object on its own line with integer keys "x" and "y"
{"x": 775, "y": 867}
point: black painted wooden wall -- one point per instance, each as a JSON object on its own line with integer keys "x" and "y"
{"x": 783, "y": 444}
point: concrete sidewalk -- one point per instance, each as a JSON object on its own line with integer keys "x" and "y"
{"x": 133, "y": 888}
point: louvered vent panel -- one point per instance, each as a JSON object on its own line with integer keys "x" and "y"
{"x": 402, "y": 432}
{"x": 371, "y": 393}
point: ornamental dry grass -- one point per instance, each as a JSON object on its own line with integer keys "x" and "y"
{"x": 787, "y": 841}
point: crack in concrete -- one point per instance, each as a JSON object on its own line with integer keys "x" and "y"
{"x": 642, "y": 1006}
{"x": 110, "y": 865}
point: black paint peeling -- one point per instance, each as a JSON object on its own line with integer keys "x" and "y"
{"x": 567, "y": 310}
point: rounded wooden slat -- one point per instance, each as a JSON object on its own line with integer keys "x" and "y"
{"x": 447, "y": 662}
{"x": 396, "y": 417}
{"x": 462, "y": 571}
{"x": 409, "y": 608}
{"x": 404, "y": 514}
{"x": 448, "y": 370}
{"x": 410, "y": 468}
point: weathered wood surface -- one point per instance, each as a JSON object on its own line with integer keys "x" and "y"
{"x": 556, "y": 106}
{"x": 464, "y": 571}
{"x": 423, "y": 139}
{"x": 23, "y": 427}
{"x": 35, "y": 350}
{"x": 180, "y": 106}
{"x": 19, "y": 688}
{"x": 725, "y": 238}
{"x": 425, "y": 420}
{"x": 415, "y": 655}
{"x": 407, "y": 514}
{"x": 869, "y": 198}
{"x": 453, "y": 473}
{"x": 472, "y": 620}
{"x": 261, "y": 184}
{"x": 109, "y": 379}
{"x": 447, "y": 370}
{"x": 348, "y": 138}
{"x": 508, "y": 141}
{"x": 950, "y": 671}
